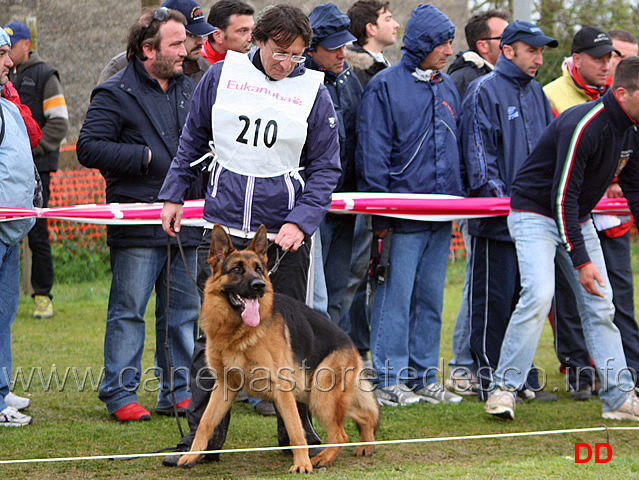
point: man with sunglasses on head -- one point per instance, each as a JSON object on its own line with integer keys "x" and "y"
{"x": 266, "y": 128}
{"x": 483, "y": 33}
{"x": 197, "y": 31}
{"x": 131, "y": 134}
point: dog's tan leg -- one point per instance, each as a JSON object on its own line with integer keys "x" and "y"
{"x": 330, "y": 410}
{"x": 285, "y": 402}
{"x": 220, "y": 403}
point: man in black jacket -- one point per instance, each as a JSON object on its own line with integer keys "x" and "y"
{"x": 483, "y": 33}
{"x": 40, "y": 89}
{"x": 131, "y": 134}
{"x": 556, "y": 188}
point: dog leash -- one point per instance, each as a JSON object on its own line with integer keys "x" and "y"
{"x": 278, "y": 257}
{"x": 166, "y": 326}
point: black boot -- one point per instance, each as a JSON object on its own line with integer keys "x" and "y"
{"x": 307, "y": 423}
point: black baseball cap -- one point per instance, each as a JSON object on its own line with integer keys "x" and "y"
{"x": 593, "y": 41}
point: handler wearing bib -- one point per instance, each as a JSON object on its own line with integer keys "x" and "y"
{"x": 266, "y": 129}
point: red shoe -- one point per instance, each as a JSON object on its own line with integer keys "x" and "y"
{"x": 133, "y": 412}
{"x": 181, "y": 409}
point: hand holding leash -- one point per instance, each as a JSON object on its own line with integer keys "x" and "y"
{"x": 171, "y": 217}
{"x": 290, "y": 237}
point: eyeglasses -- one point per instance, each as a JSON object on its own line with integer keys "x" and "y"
{"x": 280, "y": 57}
{"x": 491, "y": 38}
{"x": 160, "y": 15}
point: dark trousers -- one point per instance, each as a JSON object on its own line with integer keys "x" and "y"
{"x": 290, "y": 278}
{"x": 42, "y": 261}
{"x": 570, "y": 344}
{"x": 494, "y": 292}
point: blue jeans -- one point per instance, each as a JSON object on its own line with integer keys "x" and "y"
{"x": 10, "y": 287}
{"x": 538, "y": 243}
{"x": 136, "y": 272}
{"x": 407, "y": 310}
{"x": 462, "y": 356}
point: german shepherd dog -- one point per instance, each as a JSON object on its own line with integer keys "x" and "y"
{"x": 276, "y": 348}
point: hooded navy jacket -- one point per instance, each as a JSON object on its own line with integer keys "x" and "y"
{"x": 407, "y": 139}
{"x": 504, "y": 115}
{"x": 234, "y": 200}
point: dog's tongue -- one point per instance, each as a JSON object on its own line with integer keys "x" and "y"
{"x": 251, "y": 312}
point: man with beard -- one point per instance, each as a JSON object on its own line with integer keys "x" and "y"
{"x": 131, "y": 134}
{"x": 197, "y": 30}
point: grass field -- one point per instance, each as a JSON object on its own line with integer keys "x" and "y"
{"x": 69, "y": 420}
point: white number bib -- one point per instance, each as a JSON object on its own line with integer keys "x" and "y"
{"x": 259, "y": 125}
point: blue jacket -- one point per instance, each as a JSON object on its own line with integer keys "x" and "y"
{"x": 346, "y": 93}
{"x": 17, "y": 172}
{"x": 272, "y": 201}
{"x": 407, "y": 128}
{"x": 504, "y": 115}
{"x": 130, "y": 114}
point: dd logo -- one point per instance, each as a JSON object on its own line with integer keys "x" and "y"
{"x": 598, "y": 447}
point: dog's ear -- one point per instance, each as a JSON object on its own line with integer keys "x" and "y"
{"x": 259, "y": 244}
{"x": 221, "y": 245}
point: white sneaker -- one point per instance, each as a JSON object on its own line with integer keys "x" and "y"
{"x": 462, "y": 382}
{"x": 398, "y": 394}
{"x": 10, "y": 417}
{"x": 501, "y": 403}
{"x": 628, "y": 411}
{"x": 19, "y": 403}
{"x": 436, "y": 393}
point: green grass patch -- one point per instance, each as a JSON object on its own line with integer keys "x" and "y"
{"x": 70, "y": 420}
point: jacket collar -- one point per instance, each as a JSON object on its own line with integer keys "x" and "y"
{"x": 211, "y": 54}
{"x": 137, "y": 82}
{"x": 512, "y": 72}
{"x": 328, "y": 76}
{"x": 620, "y": 117}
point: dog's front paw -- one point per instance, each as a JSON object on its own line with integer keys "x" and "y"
{"x": 304, "y": 467}
{"x": 323, "y": 459}
{"x": 364, "y": 451}
{"x": 188, "y": 460}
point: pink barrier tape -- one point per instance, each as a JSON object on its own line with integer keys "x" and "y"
{"x": 410, "y": 206}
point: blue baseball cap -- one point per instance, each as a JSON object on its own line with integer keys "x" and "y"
{"x": 17, "y": 31}
{"x": 196, "y": 23}
{"x": 527, "y": 32}
{"x": 330, "y": 27}
{"x": 4, "y": 38}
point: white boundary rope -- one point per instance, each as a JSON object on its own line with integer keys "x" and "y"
{"x": 352, "y": 444}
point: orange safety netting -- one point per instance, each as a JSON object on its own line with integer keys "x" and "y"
{"x": 76, "y": 187}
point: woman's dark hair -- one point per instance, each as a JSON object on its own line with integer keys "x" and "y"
{"x": 282, "y": 24}
{"x": 146, "y": 30}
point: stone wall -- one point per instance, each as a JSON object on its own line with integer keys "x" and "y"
{"x": 79, "y": 36}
